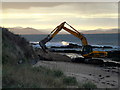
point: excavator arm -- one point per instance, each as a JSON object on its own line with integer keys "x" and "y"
{"x": 57, "y": 30}
{"x": 50, "y": 36}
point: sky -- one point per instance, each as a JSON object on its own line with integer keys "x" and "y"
{"x": 47, "y": 15}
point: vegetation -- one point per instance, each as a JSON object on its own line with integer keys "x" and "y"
{"x": 70, "y": 80}
{"x": 89, "y": 85}
{"x": 18, "y": 71}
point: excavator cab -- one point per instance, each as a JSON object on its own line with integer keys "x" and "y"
{"x": 87, "y": 49}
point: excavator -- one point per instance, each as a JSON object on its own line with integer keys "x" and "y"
{"x": 87, "y": 50}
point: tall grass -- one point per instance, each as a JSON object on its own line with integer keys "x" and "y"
{"x": 24, "y": 76}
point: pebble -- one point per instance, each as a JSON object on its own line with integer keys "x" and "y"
{"x": 114, "y": 81}
{"x": 90, "y": 74}
{"x": 112, "y": 84}
{"x": 108, "y": 83}
{"x": 103, "y": 82}
{"x": 107, "y": 76}
{"x": 102, "y": 78}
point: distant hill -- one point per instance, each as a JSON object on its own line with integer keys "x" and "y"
{"x": 28, "y": 30}
{"x": 98, "y": 31}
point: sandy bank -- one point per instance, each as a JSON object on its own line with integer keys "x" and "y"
{"x": 103, "y": 77}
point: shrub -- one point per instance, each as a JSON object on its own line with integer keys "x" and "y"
{"x": 70, "y": 80}
{"x": 57, "y": 73}
{"x": 89, "y": 85}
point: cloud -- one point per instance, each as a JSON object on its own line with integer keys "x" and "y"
{"x": 81, "y": 10}
{"x": 82, "y": 7}
{"x": 96, "y": 7}
{"x": 27, "y": 5}
{"x": 49, "y": 15}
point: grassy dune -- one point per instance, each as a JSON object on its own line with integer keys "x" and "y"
{"x": 19, "y": 73}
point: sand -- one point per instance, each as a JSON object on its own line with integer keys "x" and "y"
{"x": 103, "y": 77}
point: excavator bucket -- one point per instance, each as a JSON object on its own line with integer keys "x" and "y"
{"x": 43, "y": 42}
{"x": 43, "y": 46}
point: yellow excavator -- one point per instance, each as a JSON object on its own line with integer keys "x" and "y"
{"x": 87, "y": 50}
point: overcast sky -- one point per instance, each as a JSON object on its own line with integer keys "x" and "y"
{"x": 82, "y": 16}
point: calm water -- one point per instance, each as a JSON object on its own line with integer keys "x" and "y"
{"x": 93, "y": 39}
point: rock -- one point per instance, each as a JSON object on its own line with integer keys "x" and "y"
{"x": 33, "y": 62}
{"x": 20, "y": 62}
{"x": 112, "y": 84}
{"x": 107, "y": 76}
{"x": 102, "y": 78}
{"x": 103, "y": 82}
{"x": 90, "y": 74}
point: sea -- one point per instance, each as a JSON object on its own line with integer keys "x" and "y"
{"x": 111, "y": 40}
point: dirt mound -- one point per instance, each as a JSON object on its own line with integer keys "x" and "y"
{"x": 51, "y": 56}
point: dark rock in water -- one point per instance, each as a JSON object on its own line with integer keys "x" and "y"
{"x": 68, "y": 46}
{"x": 74, "y": 45}
{"x": 97, "y": 47}
{"x": 107, "y": 47}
